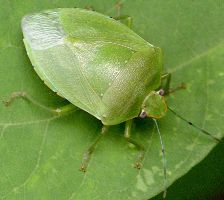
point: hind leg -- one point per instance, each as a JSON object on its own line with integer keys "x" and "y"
{"x": 23, "y": 95}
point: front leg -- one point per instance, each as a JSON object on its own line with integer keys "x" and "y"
{"x": 166, "y": 87}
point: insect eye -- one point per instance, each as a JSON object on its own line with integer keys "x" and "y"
{"x": 161, "y": 92}
{"x": 143, "y": 114}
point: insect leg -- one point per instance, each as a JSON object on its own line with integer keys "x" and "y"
{"x": 62, "y": 110}
{"x": 90, "y": 150}
{"x": 166, "y": 87}
{"x": 89, "y": 7}
{"x": 118, "y": 7}
{"x": 127, "y": 135}
{"x": 127, "y": 18}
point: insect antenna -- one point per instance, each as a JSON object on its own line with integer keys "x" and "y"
{"x": 195, "y": 126}
{"x": 164, "y": 160}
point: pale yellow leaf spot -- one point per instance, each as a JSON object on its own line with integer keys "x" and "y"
{"x": 140, "y": 184}
{"x": 149, "y": 178}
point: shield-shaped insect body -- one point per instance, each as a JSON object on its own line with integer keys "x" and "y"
{"x": 95, "y": 62}
{"x": 99, "y": 65}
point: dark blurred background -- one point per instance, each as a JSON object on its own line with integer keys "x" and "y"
{"x": 204, "y": 182}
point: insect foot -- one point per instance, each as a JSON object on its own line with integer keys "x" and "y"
{"x": 180, "y": 87}
{"x": 13, "y": 96}
{"x": 140, "y": 157}
{"x": 83, "y": 168}
{"x": 85, "y": 161}
{"x": 138, "y": 165}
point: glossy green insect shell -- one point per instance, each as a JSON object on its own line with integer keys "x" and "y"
{"x": 96, "y": 63}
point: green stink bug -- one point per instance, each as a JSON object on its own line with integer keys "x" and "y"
{"x": 107, "y": 75}
{"x": 98, "y": 64}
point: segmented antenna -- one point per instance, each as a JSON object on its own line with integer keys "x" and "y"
{"x": 164, "y": 160}
{"x": 163, "y": 148}
{"x": 196, "y": 127}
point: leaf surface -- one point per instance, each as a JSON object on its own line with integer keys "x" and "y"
{"x": 41, "y": 154}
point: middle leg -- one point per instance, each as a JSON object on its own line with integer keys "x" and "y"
{"x": 140, "y": 147}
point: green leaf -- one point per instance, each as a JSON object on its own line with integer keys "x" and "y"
{"x": 41, "y": 154}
